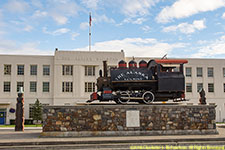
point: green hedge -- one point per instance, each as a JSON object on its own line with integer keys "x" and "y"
{"x": 27, "y": 121}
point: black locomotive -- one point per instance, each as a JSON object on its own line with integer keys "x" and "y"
{"x": 157, "y": 80}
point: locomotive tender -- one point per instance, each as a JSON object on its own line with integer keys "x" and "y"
{"x": 157, "y": 80}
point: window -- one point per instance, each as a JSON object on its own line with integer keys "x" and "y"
{"x": 7, "y": 69}
{"x": 46, "y": 70}
{"x": 210, "y": 87}
{"x": 89, "y": 70}
{"x": 31, "y": 108}
{"x": 45, "y": 87}
{"x": 224, "y": 87}
{"x": 199, "y": 72}
{"x": 67, "y": 70}
{"x": 33, "y": 86}
{"x": 210, "y": 72}
{"x": 199, "y": 86}
{"x": 188, "y": 87}
{"x": 223, "y": 72}
{"x": 67, "y": 87}
{"x": 7, "y": 87}
{"x": 33, "y": 69}
{"x": 20, "y": 84}
{"x": 20, "y": 69}
{"x": 188, "y": 71}
{"x": 89, "y": 87}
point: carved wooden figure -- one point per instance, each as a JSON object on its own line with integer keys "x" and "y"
{"x": 20, "y": 112}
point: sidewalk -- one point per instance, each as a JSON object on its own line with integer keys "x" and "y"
{"x": 31, "y": 136}
{"x": 25, "y": 128}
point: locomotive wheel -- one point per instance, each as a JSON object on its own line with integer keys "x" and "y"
{"x": 148, "y": 97}
{"x": 123, "y": 98}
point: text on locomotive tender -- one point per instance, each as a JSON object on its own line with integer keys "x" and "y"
{"x": 141, "y": 76}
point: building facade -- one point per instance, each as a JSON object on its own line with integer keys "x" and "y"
{"x": 69, "y": 77}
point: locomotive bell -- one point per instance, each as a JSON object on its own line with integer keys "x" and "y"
{"x": 142, "y": 64}
{"x": 122, "y": 64}
{"x": 132, "y": 64}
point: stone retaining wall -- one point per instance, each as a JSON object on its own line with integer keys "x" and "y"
{"x": 101, "y": 120}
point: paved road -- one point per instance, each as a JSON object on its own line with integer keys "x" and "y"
{"x": 30, "y": 139}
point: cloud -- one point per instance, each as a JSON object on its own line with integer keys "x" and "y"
{"x": 212, "y": 48}
{"x": 16, "y": 6}
{"x": 37, "y": 3}
{"x": 186, "y": 8}
{"x": 139, "y": 21}
{"x": 11, "y": 47}
{"x": 102, "y": 18}
{"x": 84, "y": 25}
{"x": 56, "y": 32}
{"x": 60, "y": 19}
{"x": 137, "y": 47}
{"x": 28, "y": 28}
{"x": 95, "y": 20}
{"x": 186, "y": 28}
{"x": 134, "y": 8}
{"x": 223, "y": 16}
{"x": 61, "y": 10}
{"x": 146, "y": 28}
{"x": 93, "y": 4}
{"x": 74, "y": 35}
{"x": 1, "y": 19}
{"x": 39, "y": 13}
{"x": 132, "y": 21}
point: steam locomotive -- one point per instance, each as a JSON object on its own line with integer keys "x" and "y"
{"x": 157, "y": 80}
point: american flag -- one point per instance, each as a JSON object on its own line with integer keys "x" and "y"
{"x": 90, "y": 19}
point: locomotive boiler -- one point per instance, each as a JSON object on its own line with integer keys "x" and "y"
{"x": 157, "y": 80}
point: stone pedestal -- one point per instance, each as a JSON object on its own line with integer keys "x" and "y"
{"x": 113, "y": 120}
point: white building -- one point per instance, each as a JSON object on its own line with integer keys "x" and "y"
{"x": 69, "y": 77}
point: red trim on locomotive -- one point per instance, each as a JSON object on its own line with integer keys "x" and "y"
{"x": 94, "y": 96}
{"x": 107, "y": 92}
{"x": 132, "y": 65}
{"x": 171, "y": 61}
{"x": 183, "y": 95}
{"x": 143, "y": 65}
{"x": 122, "y": 65}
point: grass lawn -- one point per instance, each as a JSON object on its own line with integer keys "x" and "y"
{"x": 39, "y": 125}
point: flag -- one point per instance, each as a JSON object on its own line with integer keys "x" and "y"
{"x": 90, "y": 19}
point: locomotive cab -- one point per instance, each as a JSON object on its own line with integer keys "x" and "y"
{"x": 171, "y": 80}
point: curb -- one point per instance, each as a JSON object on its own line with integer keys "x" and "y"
{"x": 111, "y": 141}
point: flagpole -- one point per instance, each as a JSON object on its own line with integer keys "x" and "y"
{"x": 90, "y": 31}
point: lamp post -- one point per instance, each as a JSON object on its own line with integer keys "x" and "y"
{"x": 20, "y": 111}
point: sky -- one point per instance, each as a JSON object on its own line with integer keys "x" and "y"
{"x": 142, "y": 28}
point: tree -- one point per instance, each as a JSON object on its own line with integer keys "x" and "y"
{"x": 37, "y": 111}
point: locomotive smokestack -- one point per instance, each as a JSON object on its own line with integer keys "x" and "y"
{"x": 105, "y": 68}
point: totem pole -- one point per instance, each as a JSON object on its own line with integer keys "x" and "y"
{"x": 20, "y": 111}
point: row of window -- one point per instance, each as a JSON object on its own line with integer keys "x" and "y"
{"x": 200, "y": 86}
{"x": 199, "y": 71}
{"x": 66, "y": 86}
{"x": 33, "y": 86}
{"x": 68, "y": 70}
{"x": 20, "y": 70}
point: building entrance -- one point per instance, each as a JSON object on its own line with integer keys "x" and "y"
{"x": 2, "y": 118}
